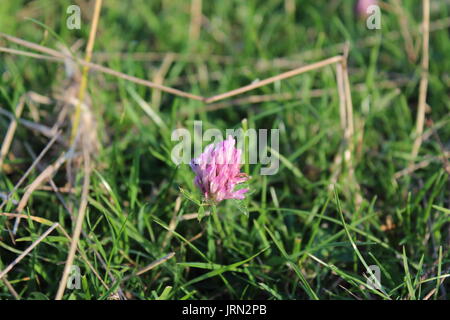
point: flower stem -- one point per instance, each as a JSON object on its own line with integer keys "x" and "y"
{"x": 217, "y": 222}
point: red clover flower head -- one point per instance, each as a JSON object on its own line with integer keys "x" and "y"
{"x": 217, "y": 171}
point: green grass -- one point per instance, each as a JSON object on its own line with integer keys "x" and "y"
{"x": 300, "y": 239}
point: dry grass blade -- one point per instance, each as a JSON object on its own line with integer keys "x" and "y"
{"x": 30, "y": 169}
{"x": 155, "y": 263}
{"x": 11, "y": 288}
{"x": 191, "y": 216}
{"x": 336, "y": 168}
{"x": 33, "y": 46}
{"x": 79, "y": 221}
{"x": 30, "y": 54}
{"x": 151, "y": 266}
{"x": 159, "y": 79}
{"x": 422, "y": 164}
{"x": 314, "y": 93}
{"x": 46, "y": 174}
{"x": 100, "y": 68}
{"x": 83, "y": 84}
{"x": 53, "y": 186}
{"x": 28, "y": 250}
{"x": 141, "y": 81}
{"x": 405, "y": 32}
{"x": 289, "y": 7}
{"x": 342, "y": 96}
{"x": 40, "y": 128}
{"x": 350, "y": 136}
{"x": 350, "y": 129}
{"x": 11, "y": 130}
{"x": 420, "y": 122}
{"x": 196, "y": 20}
{"x": 273, "y": 79}
{"x": 24, "y": 216}
{"x": 173, "y": 222}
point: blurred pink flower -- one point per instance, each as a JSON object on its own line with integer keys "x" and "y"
{"x": 362, "y": 5}
{"x": 217, "y": 171}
